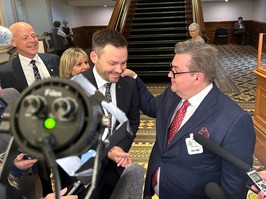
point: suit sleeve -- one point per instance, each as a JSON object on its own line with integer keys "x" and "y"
{"x": 240, "y": 141}
{"x": 133, "y": 115}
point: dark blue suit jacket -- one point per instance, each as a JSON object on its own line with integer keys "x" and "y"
{"x": 185, "y": 176}
{"x": 127, "y": 99}
{"x": 12, "y": 75}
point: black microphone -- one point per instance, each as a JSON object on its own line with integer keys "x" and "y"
{"x": 217, "y": 149}
{"x": 214, "y": 191}
{"x": 130, "y": 183}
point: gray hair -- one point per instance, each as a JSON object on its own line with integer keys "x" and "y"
{"x": 204, "y": 57}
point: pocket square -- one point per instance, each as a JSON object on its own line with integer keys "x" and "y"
{"x": 204, "y": 131}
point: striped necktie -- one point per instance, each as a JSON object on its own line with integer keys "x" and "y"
{"x": 35, "y": 70}
{"x": 109, "y": 97}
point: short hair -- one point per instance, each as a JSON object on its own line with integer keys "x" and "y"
{"x": 69, "y": 59}
{"x": 57, "y": 24}
{"x": 240, "y": 18}
{"x": 102, "y": 37}
{"x": 194, "y": 25}
{"x": 204, "y": 57}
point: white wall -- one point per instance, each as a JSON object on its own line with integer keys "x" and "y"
{"x": 60, "y": 11}
{"x": 42, "y": 13}
{"x": 36, "y": 13}
{"x": 260, "y": 11}
{"x": 94, "y": 16}
{"x": 228, "y": 11}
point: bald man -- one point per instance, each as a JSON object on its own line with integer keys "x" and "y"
{"x": 18, "y": 73}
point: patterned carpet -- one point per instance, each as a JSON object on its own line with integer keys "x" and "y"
{"x": 235, "y": 78}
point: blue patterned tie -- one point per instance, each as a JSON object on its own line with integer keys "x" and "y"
{"x": 35, "y": 70}
{"x": 109, "y": 97}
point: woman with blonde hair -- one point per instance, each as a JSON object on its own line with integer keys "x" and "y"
{"x": 73, "y": 61}
{"x": 194, "y": 31}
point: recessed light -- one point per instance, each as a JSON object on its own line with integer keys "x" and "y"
{"x": 105, "y": 5}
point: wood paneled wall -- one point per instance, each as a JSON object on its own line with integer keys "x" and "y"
{"x": 253, "y": 30}
{"x": 82, "y": 35}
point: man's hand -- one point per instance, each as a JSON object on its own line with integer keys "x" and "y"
{"x": 260, "y": 194}
{"x": 62, "y": 192}
{"x": 120, "y": 157}
{"x": 129, "y": 73}
{"x": 24, "y": 164}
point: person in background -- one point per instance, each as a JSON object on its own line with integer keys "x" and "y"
{"x": 240, "y": 30}
{"x": 69, "y": 33}
{"x": 178, "y": 166}
{"x": 20, "y": 167}
{"x": 72, "y": 62}
{"x": 59, "y": 38}
{"x": 109, "y": 55}
{"x": 194, "y": 31}
{"x": 19, "y": 73}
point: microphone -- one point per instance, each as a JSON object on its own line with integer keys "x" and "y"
{"x": 217, "y": 149}
{"x": 130, "y": 183}
{"x": 214, "y": 191}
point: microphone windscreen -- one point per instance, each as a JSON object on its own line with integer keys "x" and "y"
{"x": 10, "y": 95}
{"x": 221, "y": 152}
{"x": 214, "y": 191}
{"x": 130, "y": 184}
{"x": 2, "y": 191}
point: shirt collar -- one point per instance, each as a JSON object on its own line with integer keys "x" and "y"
{"x": 25, "y": 61}
{"x": 99, "y": 80}
{"x": 198, "y": 98}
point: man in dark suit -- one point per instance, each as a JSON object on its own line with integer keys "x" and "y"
{"x": 18, "y": 73}
{"x": 180, "y": 167}
{"x": 109, "y": 55}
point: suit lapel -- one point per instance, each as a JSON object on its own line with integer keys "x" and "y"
{"x": 167, "y": 113}
{"x": 205, "y": 110}
{"x": 19, "y": 74}
{"x": 48, "y": 65}
{"x": 119, "y": 94}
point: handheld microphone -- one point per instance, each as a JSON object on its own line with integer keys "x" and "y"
{"x": 130, "y": 183}
{"x": 214, "y": 191}
{"x": 217, "y": 149}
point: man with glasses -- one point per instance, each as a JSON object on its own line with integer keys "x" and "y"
{"x": 179, "y": 167}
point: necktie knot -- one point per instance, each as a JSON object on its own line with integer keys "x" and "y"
{"x": 33, "y": 62}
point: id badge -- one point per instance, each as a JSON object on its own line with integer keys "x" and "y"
{"x": 192, "y": 146}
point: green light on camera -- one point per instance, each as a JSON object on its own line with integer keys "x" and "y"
{"x": 50, "y": 123}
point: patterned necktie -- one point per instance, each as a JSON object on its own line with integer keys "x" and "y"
{"x": 109, "y": 97}
{"x": 179, "y": 116}
{"x": 35, "y": 70}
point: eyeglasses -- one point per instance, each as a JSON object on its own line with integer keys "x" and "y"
{"x": 180, "y": 73}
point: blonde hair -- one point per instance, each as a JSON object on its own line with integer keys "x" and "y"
{"x": 69, "y": 59}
